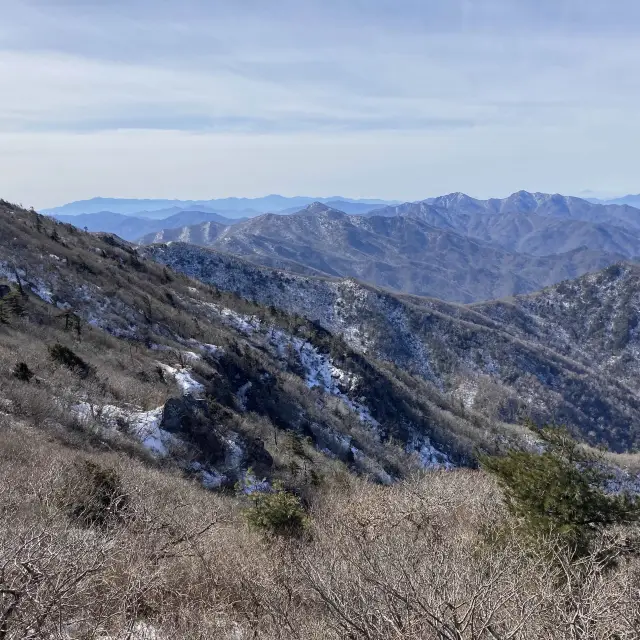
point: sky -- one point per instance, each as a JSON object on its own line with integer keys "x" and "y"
{"x": 396, "y": 99}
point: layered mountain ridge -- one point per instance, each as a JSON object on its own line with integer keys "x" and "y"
{"x": 265, "y": 204}
{"x": 419, "y": 249}
{"x": 132, "y": 227}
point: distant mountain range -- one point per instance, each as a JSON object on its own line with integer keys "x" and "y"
{"x": 131, "y": 219}
{"x": 225, "y": 206}
{"x": 552, "y": 205}
{"x": 631, "y": 200}
{"x": 538, "y": 224}
{"x": 401, "y": 252}
{"x": 132, "y": 227}
{"x": 454, "y": 247}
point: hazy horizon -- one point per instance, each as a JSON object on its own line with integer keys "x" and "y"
{"x": 394, "y": 100}
{"x": 584, "y": 195}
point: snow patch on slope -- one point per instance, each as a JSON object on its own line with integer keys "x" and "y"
{"x": 429, "y": 456}
{"x": 42, "y": 290}
{"x": 466, "y": 393}
{"x": 144, "y": 425}
{"x": 241, "y": 395}
{"x": 320, "y": 372}
{"x": 244, "y": 323}
{"x": 7, "y": 272}
{"x": 187, "y": 383}
{"x": 38, "y": 287}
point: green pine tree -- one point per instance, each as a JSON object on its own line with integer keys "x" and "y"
{"x": 561, "y": 490}
{"x": 14, "y": 303}
{"x": 277, "y": 512}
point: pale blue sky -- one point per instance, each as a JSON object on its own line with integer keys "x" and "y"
{"x": 365, "y": 98}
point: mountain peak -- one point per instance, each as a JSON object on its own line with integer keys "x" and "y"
{"x": 522, "y": 201}
{"x": 316, "y": 208}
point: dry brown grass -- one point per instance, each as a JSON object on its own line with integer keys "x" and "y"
{"x": 432, "y": 557}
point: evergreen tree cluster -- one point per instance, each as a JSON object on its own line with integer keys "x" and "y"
{"x": 562, "y": 489}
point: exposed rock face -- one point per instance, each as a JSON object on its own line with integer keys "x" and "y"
{"x": 189, "y": 419}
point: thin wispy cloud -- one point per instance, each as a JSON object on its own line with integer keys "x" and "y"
{"x": 389, "y": 83}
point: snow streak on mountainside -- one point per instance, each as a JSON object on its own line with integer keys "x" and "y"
{"x": 492, "y": 357}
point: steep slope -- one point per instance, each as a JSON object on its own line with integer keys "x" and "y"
{"x": 403, "y": 253}
{"x": 183, "y": 374}
{"x": 593, "y": 319}
{"x": 490, "y": 358}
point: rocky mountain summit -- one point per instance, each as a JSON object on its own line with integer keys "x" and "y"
{"x": 544, "y": 204}
{"x": 523, "y": 230}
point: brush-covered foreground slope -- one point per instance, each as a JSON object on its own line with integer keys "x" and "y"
{"x": 401, "y": 253}
{"x": 180, "y": 562}
{"x": 568, "y": 354}
{"x": 138, "y": 356}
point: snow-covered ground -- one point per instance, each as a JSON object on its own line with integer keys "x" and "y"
{"x": 241, "y": 394}
{"x": 320, "y": 372}
{"x": 38, "y": 286}
{"x": 42, "y": 290}
{"x": 466, "y": 392}
{"x": 8, "y": 272}
{"x": 187, "y": 383}
{"x": 244, "y": 323}
{"x": 144, "y": 425}
{"x": 430, "y": 457}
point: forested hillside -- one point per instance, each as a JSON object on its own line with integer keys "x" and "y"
{"x": 511, "y": 359}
